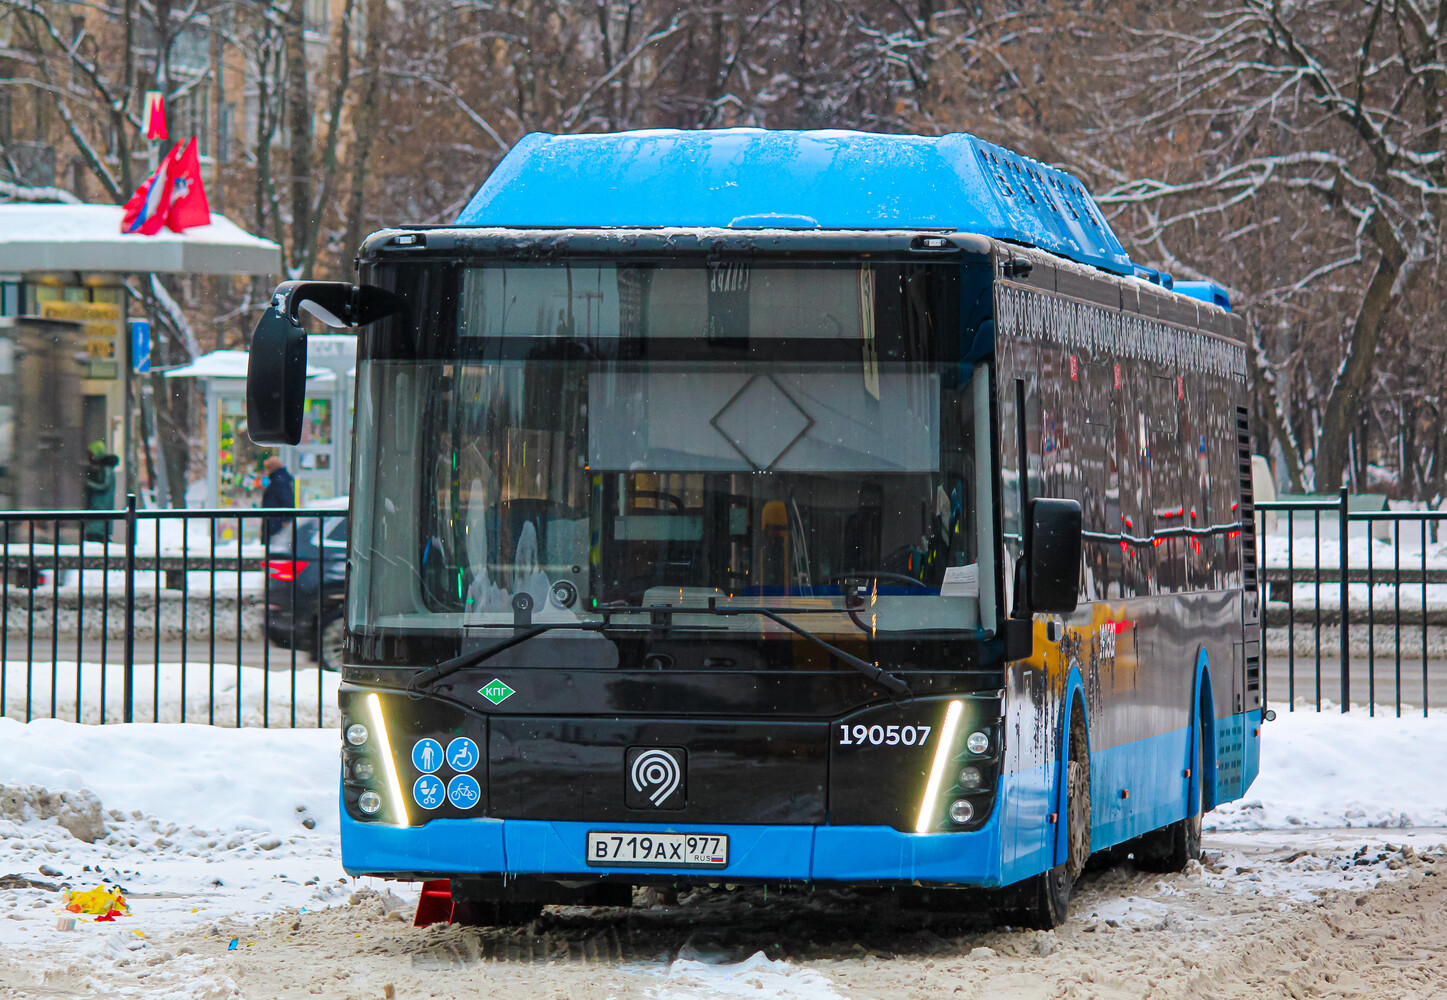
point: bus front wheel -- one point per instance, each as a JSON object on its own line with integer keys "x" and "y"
{"x": 1043, "y": 901}
{"x": 494, "y": 913}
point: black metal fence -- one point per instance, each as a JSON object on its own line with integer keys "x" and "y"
{"x": 170, "y": 615}
{"x": 1346, "y": 601}
{"x": 207, "y": 616}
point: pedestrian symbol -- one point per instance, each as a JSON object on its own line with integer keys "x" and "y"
{"x": 428, "y": 791}
{"x": 427, "y": 755}
{"x": 463, "y": 791}
{"x": 462, "y": 754}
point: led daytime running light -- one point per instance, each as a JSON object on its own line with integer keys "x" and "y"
{"x": 384, "y": 750}
{"x": 937, "y": 770}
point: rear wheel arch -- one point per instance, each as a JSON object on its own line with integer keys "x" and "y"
{"x": 1203, "y": 721}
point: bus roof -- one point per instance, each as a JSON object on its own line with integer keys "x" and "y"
{"x": 750, "y": 178}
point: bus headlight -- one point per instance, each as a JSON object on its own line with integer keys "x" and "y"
{"x": 356, "y": 734}
{"x": 364, "y": 770}
{"x": 961, "y": 811}
{"x": 970, "y": 776}
{"x": 977, "y": 743}
{"x": 370, "y": 802}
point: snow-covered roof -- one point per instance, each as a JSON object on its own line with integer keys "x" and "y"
{"x": 232, "y": 364}
{"x": 89, "y": 238}
{"x": 751, "y": 178}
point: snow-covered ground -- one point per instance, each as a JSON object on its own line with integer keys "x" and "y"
{"x": 225, "y": 834}
{"x": 158, "y": 690}
{"x": 1334, "y": 769}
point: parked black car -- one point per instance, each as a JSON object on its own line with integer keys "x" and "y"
{"x": 308, "y": 583}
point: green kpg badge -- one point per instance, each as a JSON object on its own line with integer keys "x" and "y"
{"x": 496, "y": 691}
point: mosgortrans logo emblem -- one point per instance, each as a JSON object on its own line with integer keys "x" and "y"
{"x": 496, "y": 691}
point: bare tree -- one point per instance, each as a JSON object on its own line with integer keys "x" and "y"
{"x": 1315, "y": 127}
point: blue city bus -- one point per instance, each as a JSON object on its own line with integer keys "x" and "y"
{"x": 751, "y": 506}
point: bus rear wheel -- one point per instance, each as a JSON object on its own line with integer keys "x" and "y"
{"x": 1171, "y": 848}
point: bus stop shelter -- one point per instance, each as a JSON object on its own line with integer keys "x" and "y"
{"x": 319, "y": 462}
{"x": 66, "y": 370}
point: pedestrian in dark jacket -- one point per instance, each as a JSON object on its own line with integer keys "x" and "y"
{"x": 280, "y": 492}
{"x": 100, "y": 489}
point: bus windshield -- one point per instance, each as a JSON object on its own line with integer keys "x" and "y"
{"x": 605, "y": 436}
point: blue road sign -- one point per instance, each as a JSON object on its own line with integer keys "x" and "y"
{"x": 428, "y": 791}
{"x": 427, "y": 755}
{"x": 463, "y": 791}
{"x": 141, "y": 345}
{"x": 462, "y": 754}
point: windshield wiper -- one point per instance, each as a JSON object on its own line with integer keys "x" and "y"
{"x": 873, "y": 671}
{"x": 422, "y": 682}
{"x": 660, "y": 619}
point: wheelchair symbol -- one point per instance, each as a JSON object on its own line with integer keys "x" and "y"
{"x": 462, "y": 754}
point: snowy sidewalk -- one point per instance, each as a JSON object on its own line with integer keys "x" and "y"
{"x": 216, "y": 832}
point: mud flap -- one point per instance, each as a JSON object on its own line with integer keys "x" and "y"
{"x": 435, "y": 904}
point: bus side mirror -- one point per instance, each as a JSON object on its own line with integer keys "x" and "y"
{"x": 1054, "y": 555}
{"x": 276, "y": 368}
{"x": 276, "y": 379}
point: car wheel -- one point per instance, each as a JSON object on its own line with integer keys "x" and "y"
{"x": 329, "y": 653}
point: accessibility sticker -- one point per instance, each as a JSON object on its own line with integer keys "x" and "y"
{"x": 428, "y": 791}
{"x": 496, "y": 691}
{"x": 463, "y": 791}
{"x": 462, "y": 754}
{"x": 427, "y": 755}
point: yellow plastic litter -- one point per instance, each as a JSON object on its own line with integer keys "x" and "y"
{"x": 102, "y": 902}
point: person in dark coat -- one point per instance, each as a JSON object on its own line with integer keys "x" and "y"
{"x": 280, "y": 492}
{"x": 100, "y": 489}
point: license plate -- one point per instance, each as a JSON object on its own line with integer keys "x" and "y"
{"x": 661, "y": 850}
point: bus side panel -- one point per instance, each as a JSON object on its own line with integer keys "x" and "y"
{"x": 1028, "y": 787}
{"x": 1132, "y": 417}
{"x": 1028, "y": 791}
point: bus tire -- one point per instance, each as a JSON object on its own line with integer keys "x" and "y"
{"x": 494, "y": 913}
{"x": 1171, "y": 848}
{"x": 1043, "y": 901}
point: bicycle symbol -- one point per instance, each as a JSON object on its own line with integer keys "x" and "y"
{"x": 464, "y": 791}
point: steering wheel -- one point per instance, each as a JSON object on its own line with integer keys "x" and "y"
{"x": 879, "y": 574}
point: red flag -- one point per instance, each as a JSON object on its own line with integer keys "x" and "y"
{"x": 153, "y": 122}
{"x": 147, "y": 209}
{"x": 188, "y": 196}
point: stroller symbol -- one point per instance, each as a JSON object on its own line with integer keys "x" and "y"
{"x": 428, "y": 791}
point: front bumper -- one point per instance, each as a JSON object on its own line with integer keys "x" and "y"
{"x": 445, "y": 848}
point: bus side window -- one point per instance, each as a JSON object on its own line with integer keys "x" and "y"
{"x": 1170, "y": 512}
{"x": 1101, "y": 504}
{"x": 1133, "y": 450}
{"x": 1196, "y": 482}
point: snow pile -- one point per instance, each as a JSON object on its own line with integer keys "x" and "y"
{"x": 1330, "y": 769}
{"x": 197, "y": 823}
{"x": 690, "y": 978}
{"x": 206, "y": 777}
